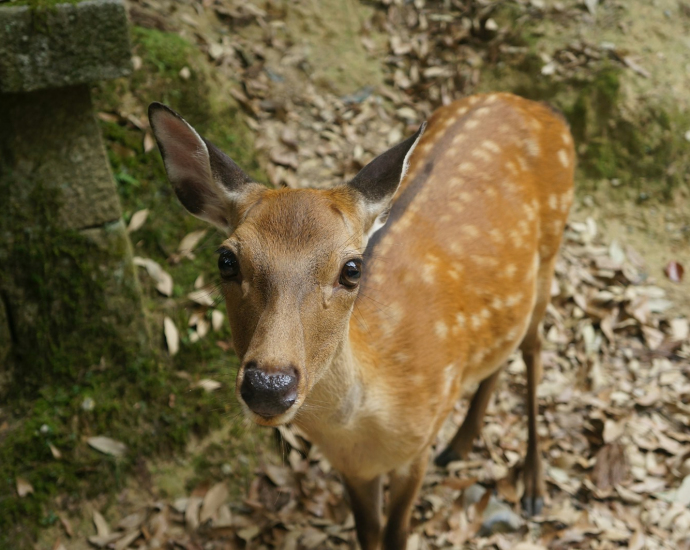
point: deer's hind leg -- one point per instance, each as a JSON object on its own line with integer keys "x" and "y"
{"x": 461, "y": 444}
{"x": 535, "y": 489}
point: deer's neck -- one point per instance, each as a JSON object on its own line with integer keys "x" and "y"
{"x": 337, "y": 399}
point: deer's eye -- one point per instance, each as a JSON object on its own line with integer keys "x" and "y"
{"x": 228, "y": 265}
{"x": 351, "y": 273}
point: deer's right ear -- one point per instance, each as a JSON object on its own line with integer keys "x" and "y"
{"x": 207, "y": 182}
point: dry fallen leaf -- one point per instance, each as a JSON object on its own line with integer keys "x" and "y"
{"x": 611, "y": 466}
{"x": 163, "y": 280}
{"x": 24, "y": 487}
{"x": 172, "y": 337}
{"x": 57, "y": 455}
{"x": 213, "y": 499}
{"x": 190, "y": 241}
{"x": 217, "y": 320}
{"x": 149, "y": 142}
{"x": 106, "y": 445}
{"x": 208, "y": 385}
{"x": 102, "y": 527}
{"x": 137, "y": 220}
{"x": 202, "y": 297}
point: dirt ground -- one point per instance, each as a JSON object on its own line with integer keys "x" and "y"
{"x": 325, "y": 86}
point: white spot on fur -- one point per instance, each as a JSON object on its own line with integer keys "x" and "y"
{"x": 491, "y": 146}
{"x": 496, "y": 235}
{"x": 458, "y": 139}
{"x": 449, "y": 122}
{"x": 514, "y": 299}
{"x": 466, "y": 167}
{"x": 563, "y": 157}
{"x": 441, "y": 330}
{"x": 553, "y": 201}
{"x": 428, "y": 273}
{"x": 482, "y": 155}
{"x": 567, "y": 140}
{"x": 471, "y": 124}
{"x": 532, "y": 147}
{"x": 470, "y": 230}
{"x": 510, "y": 270}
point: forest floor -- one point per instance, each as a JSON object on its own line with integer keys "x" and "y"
{"x": 324, "y": 86}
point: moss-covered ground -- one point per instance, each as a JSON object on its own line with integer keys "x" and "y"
{"x": 639, "y": 144}
{"x": 147, "y": 401}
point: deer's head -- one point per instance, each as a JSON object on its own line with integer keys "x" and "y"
{"x": 292, "y": 262}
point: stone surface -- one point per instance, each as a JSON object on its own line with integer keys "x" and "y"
{"x": 68, "y": 289}
{"x": 65, "y": 45}
{"x": 51, "y": 137}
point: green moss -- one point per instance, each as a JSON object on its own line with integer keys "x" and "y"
{"x": 41, "y": 4}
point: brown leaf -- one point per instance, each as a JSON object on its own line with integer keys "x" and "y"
{"x": 611, "y": 466}
{"x": 101, "y": 541}
{"x": 674, "y": 271}
{"x": 102, "y": 527}
{"x": 215, "y": 496}
{"x": 128, "y": 539}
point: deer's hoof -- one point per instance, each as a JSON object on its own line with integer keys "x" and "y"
{"x": 532, "y": 505}
{"x": 447, "y": 456}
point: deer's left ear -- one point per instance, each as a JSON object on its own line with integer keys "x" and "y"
{"x": 378, "y": 181}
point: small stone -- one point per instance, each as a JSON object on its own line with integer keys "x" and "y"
{"x": 687, "y": 135}
{"x": 226, "y": 469}
{"x": 88, "y": 404}
{"x": 136, "y": 62}
{"x": 45, "y": 429}
{"x": 185, "y": 73}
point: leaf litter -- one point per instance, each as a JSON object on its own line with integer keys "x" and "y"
{"x": 615, "y": 398}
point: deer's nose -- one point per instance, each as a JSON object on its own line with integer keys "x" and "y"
{"x": 269, "y": 393}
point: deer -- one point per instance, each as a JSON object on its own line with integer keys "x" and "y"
{"x": 360, "y": 312}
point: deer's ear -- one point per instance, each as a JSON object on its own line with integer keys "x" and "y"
{"x": 206, "y": 181}
{"x": 377, "y": 182}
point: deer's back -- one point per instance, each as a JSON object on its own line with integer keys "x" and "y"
{"x": 450, "y": 280}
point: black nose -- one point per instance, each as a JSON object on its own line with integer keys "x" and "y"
{"x": 269, "y": 393}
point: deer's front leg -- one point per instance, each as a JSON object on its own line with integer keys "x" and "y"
{"x": 404, "y": 486}
{"x": 366, "y": 502}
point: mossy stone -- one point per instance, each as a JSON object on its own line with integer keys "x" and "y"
{"x": 46, "y": 45}
{"x": 51, "y": 138}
